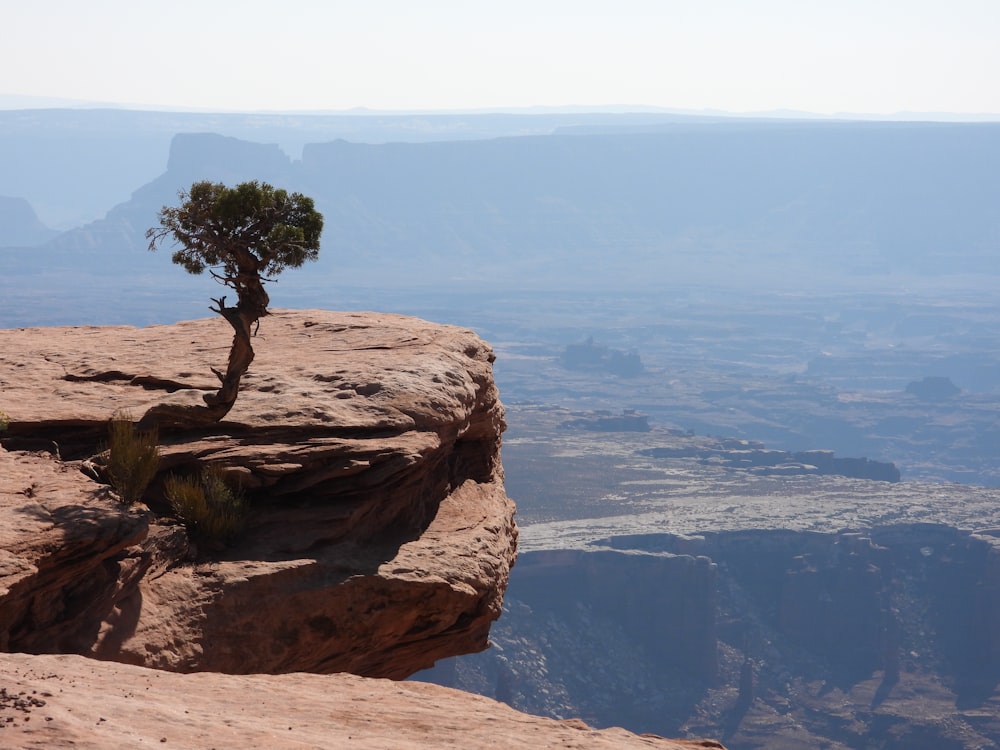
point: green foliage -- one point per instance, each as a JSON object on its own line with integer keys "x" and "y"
{"x": 206, "y": 504}
{"x": 133, "y": 457}
{"x": 251, "y": 228}
{"x": 4, "y": 421}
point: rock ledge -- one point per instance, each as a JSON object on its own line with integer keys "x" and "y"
{"x": 380, "y": 539}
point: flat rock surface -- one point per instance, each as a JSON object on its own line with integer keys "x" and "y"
{"x": 362, "y": 370}
{"x": 68, "y": 701}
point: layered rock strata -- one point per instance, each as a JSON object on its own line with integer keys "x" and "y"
{"x": 380, "y": 537}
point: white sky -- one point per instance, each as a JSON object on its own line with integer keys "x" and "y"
{"x": 824, "y": 56}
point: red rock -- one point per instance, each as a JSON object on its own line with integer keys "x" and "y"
{"x": 98, "y": 706}
{"x": 381, "y": 537}
{"x": 380, "y": 540}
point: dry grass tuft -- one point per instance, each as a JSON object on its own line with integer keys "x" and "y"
{"x": 133, "y": 457}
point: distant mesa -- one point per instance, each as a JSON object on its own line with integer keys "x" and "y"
{"x": 804, "y": 201}
{"x": 590, "y": 356}
{"x": 223, "y": 158}
{"x": 934, "y": 388}
{"x": 752, "y": 456}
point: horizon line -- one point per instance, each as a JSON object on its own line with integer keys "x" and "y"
{"x": 22, "y": 102}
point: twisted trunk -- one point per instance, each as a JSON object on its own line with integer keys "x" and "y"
{"x": 250, "y": 308}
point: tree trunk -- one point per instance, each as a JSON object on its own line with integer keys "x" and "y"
{"x": 240, "y": 356}
{"x": 250, "y": 308}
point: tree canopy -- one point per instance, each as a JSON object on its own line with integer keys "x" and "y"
{"x": 250, "y": 233}
{"x": 245, "y": 235}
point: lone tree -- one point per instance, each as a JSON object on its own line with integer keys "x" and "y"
{"x": 244, "y": 236}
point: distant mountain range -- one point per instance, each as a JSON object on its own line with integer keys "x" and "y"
{"x": 629, "y": 201}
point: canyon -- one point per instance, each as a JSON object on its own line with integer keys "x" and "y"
{"x": 666, "y": 594}
{"x": 768, "y": 518}
{"x": 379, "y": 540}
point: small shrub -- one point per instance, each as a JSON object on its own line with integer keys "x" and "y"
{"x": 133, "y": 457}
{"x": 206, "y": 504}
{"x": 4, "y": 421}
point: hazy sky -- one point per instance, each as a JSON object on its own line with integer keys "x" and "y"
{"x": 825, "y": 56}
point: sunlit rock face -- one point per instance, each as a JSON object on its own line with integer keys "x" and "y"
{"x": 380, "y": 537}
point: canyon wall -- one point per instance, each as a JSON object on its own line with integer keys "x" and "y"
{"x": 764, "y": 638}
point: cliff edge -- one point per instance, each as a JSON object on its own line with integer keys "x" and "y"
{"x": 379, "y": 538}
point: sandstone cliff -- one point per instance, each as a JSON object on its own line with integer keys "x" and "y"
{"x": 380, "y": 540}
{"x": 380, "y": 537}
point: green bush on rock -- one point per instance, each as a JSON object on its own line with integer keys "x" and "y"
{"x": 206, "y": 504}
{"x": 133, "y": 457}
